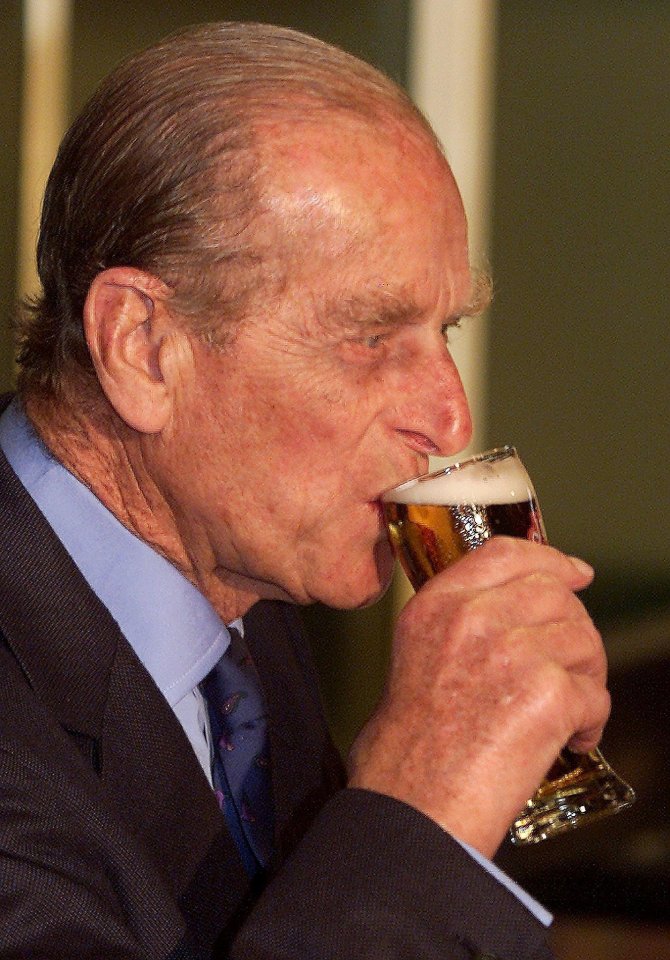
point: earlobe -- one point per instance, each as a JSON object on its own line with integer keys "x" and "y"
{"x": 128, "y": 332}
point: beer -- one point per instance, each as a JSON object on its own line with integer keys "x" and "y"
{"x": 434, "y": 520}
{"x": 426, "y": 538}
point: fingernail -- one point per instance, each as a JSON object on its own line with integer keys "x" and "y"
{"x": 584, "y": 568}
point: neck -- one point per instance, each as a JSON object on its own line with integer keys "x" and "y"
{"x": 110, "y": 458}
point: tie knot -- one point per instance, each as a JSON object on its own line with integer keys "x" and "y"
{"x": 233, "y": 688}
{"x": 238, "y": 652}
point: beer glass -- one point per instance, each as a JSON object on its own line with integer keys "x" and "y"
{"x": 432, "y": 521}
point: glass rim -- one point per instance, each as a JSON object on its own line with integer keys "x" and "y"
{"x": 487, "y": 456}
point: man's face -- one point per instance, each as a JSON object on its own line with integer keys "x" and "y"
{"x": 343, "y": 385}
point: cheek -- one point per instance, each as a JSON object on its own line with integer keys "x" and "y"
{"x": 305, "y": 428}
{"x": 303, "y": 435}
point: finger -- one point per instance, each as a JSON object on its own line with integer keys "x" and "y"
{"x": 553, "y": 678}
{"x": 573, "y": 645}
{"x": 502, "y": 559}
{"x": 533, "y": 669}
{"x": 536, "y": 598}
{"x": 589, "y": 726}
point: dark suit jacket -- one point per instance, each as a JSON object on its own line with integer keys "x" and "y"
{"x": 113, "y": 846}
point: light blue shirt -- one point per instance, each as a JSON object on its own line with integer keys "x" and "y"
{"x": 172, "y": 627}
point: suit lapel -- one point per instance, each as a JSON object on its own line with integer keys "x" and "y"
{"x": 50, "y": 615}
{"x": 84, "y": 671}
{"x": 167, "y": 801}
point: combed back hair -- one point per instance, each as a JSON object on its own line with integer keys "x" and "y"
{"x": 160, "y": 172}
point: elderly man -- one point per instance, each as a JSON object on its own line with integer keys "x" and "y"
{"x": 252, "y": 252}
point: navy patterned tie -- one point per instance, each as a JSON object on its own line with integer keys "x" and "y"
{"x": 241, "y": 767}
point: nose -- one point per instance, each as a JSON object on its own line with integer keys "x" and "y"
{"x": 454, "y": 427}
{"x": 438, "y": 420}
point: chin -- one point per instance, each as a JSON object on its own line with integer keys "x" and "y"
{"x": 369, "y": 585}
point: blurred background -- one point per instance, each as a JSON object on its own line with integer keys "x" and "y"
{"x": 556, "y": 118}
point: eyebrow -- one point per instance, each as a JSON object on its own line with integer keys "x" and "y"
{"x": 382, "y": 306}
{"x": 482, "y": 293}
{"x": 371, "y": 308}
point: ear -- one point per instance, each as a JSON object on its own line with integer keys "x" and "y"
{"x": 131, "y": 338}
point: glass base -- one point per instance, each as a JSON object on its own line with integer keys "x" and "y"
{"x": 579, "y": 789}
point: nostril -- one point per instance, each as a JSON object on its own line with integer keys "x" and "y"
{"x": 419, "y": 441}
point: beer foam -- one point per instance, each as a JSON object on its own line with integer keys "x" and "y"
{"x": 477, "y": 482}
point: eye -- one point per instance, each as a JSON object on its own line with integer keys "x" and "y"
{"x": 370, "y": 349}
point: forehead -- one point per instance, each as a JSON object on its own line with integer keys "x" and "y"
{"x": 341, "y": 165}
{"x": 376, "y": 204}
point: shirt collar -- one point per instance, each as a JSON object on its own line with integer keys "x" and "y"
{"x": 172, "y": 627}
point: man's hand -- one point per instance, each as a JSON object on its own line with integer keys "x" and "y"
{"x": 496, "y": 667}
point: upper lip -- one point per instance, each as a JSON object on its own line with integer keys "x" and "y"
{"x": 423, "y": 444}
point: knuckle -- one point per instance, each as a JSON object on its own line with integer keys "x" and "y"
{"x": 466, "y": 617}
{"x": 590, "y": 641}
{"x": 555, "y": 686}
{"x": 606, "y": 703}
{"x": 545, "y": 582}
{"x": 500, "y": 545}
{"x": 509, "y": 549}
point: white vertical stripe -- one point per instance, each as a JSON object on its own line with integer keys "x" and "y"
{"x": 451, "y": 74}
{"x": 47, "y": 29}
{"x": 451, "y": 80}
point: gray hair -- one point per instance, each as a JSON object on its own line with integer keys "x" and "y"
{"x": 160, "y": 172}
